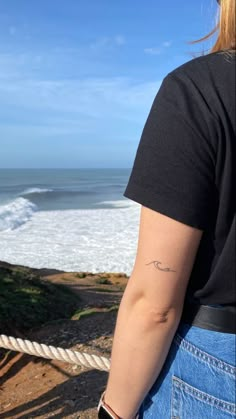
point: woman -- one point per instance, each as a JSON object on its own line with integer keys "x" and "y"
{"x": 174, "y": 352}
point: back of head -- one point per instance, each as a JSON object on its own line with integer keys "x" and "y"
{"x": 226, "y": 27}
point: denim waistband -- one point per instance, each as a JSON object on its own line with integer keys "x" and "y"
{"x": 215, "y": 344}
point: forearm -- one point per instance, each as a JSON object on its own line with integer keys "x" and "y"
{"x": 140, "y": 347}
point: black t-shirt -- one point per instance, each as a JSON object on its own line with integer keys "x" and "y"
{"x": 185, "y": 167}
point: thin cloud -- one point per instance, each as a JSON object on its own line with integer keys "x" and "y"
{"x": 120, "y": 40}
{"x": 100, "y": 43}
{"x": 95, "y": 109}
{"x": 96, "y": 106}
{"x": 167, "y": 44}
{"x": 91, "y": 106}
{"x": 93, "y": 97}
{"x": 157, "y": 50}
{"x": 153, "y": 51}
{"x": 107, "y": 42}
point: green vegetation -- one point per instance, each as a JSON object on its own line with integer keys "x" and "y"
{"x": 81, "y": 275}
{"x": 26, "y": 301}
{"x": 90, "y": 311}
{"x": 103, "y": 280}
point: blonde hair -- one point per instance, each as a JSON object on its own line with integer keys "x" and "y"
{"x": 226, "y": 40}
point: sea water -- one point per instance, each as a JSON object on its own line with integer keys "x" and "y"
{"x": 69, "y": 219}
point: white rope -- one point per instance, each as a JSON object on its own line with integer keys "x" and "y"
{"x": 51, "y": 352}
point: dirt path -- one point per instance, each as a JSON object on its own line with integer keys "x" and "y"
{"x": 31, "y": 387}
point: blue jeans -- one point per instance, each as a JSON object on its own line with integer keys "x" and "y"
{"x": 198, "y": 378}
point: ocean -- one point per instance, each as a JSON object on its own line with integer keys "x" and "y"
{"x": 68, "y": 219}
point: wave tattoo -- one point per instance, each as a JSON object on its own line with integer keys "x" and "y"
{"x": 156, "y": 263}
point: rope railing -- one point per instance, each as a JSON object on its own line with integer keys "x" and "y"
{"x": 52, "y": 352}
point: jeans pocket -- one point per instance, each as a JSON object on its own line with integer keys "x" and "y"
{"x": 188, "y": 402}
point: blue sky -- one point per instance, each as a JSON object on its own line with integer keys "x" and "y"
{"x": 77, "y": 78}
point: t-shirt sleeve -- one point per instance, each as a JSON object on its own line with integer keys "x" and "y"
{"x": 174, "y": 167}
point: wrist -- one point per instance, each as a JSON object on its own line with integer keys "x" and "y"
{"x": 106, "y": 412}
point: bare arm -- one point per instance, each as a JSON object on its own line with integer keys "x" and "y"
{"x": 150, "y": 309}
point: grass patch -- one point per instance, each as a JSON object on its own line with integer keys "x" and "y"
{"x": 91, "y": 311}
{"x": 26, "y": 301}
{"x": 103, "y": 280}
{"x": 81, "y": 275}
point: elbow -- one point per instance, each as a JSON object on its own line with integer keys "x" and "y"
{"x": 160, "y": 316}
{"x": 148, "y": 311}
{"x": 154, "y": 316}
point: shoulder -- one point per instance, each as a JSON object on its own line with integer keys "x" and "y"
{"x": 201, "y": 70}
{"x": 199, "y": 64}
{"x": 190, "y": 88}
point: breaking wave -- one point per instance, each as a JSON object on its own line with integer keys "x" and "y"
{"x": 16, "y": 213}
{"x": 30, "y": 191}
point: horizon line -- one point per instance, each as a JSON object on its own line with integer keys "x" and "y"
{"x": 65, "y": 168}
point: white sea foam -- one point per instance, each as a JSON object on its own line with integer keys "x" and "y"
{"x": 75, "y": 240}
{"x": 122, "y": 203}
{"x": 35, "y": 190}
{"x": 16, "y": 213}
